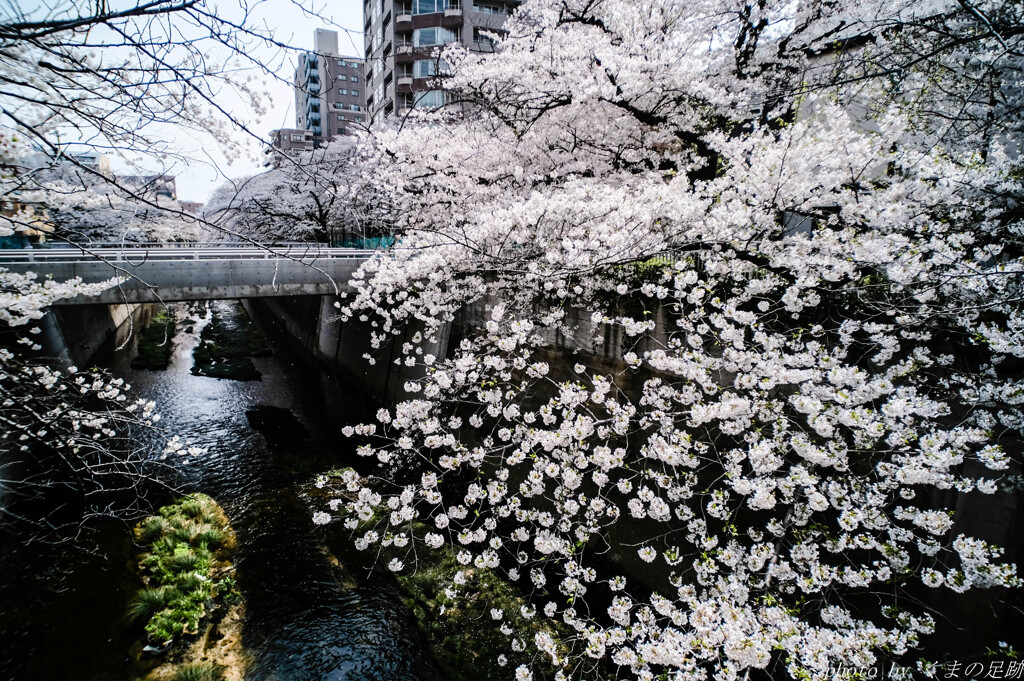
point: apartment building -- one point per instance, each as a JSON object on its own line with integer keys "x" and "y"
{"x": 330, "y": 93}
{"x": 152, "y": 186}
{"x": 286, "y": 142}
{"x": 99, "y": 163}
{"x": 403, "y": 39}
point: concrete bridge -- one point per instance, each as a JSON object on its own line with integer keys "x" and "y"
{"x": 173, "y": 272}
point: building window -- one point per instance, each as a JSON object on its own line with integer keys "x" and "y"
{"x": 359, "y": 119}
{"x": 355, "y": 107}
{"x": 433, "y": 36}
{"x": 431, "y": 99}
{"x": 355, "y": 93}
{"x": 342, "y": 91}
{"x": 354, "y": 79}
{"x": 340, "y": 117}
{"x": 342, "y": 131}
{"x": 297, "y": 138}
{"x": 338, "y": 105}
{"x": 428, "y": 68}
{"x": 427, "y": 6}
{"x": 491, "y": 9}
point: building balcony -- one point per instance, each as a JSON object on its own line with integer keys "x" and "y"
{"x": 403, "y": 17}
{"x": 404, "y": 80}
{"x": 453, "y": 12}
{"x": 403, "y": 49}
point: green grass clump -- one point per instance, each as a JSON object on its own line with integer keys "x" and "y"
{"x": 155, "y": 345}
{"x": 190, "y": 507}
{"x": 151, "y": 529}
{"x": 185, "y": 560}
{"x": 183, "y": 533}
{"x": 211, "y": 537}
{"x": 200, "y": 671}
{"x": 178, "y": 564}
{"x": 146, "y": 603}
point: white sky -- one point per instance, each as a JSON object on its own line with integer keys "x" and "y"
{"x": 197, "y": 181}
{"x": 290, "y": 25}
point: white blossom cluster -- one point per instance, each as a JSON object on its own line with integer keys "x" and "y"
{"x": 721, "y": 372}
{"x": 79, "y": 207}
{"x": 320, "y": 195}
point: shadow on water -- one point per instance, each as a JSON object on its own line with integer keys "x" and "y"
{"x": 306, "y": 617}
{"x": 62, "y": 607}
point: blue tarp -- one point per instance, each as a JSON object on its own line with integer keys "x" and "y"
{"x": 368, "y": 244}
{"x": 15, "y": 241}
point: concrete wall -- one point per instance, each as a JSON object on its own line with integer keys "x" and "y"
{"x": 79, "y": 334}
{"x": 313, "y": 322}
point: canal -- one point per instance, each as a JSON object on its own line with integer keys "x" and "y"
{"x": 308, "y": 614}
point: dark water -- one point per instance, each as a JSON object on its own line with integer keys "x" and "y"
{"x": 306, "y": 618}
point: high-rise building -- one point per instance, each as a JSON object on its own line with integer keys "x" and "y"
{"x": 404, "y": 37}
{"x": 330, "y": 93}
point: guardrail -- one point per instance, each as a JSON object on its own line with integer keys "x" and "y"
{"x": 137, "y": 254}
{"x": 193, "y": 272}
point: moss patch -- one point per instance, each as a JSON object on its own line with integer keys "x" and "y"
{"x": 464, "y": 638}
{"x": 228, "y": 343}
{"x": 185, "y": 550}
{"x": 155, "y": 345}
{"x": 444, "y": 621}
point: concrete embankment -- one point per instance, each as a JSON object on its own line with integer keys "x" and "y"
{"x": 341, "y": 347}
{"x": 80, "y": 334}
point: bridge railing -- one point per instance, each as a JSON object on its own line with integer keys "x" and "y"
{"x": 48, "y": 245}
{"x": 140, "y": 253}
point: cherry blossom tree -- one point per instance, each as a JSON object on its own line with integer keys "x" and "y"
{"x": 86, "y": 208}
{"x": 742, "y": 283}
{"x": 70, "y": 437}
{"x": 322, "y": 195}
{"x": 128, "y": 81}
{"x": 70, "y": 449}
{"x": 114, "y": 78}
